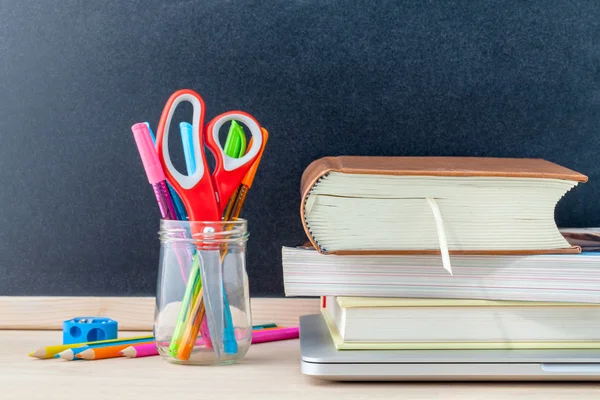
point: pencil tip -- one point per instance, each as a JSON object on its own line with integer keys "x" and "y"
{"x": 66, "y": 355}
{"x": 128, "y": 352}
{"x": 39, "y": 353}
{"x": 86, "y": 354}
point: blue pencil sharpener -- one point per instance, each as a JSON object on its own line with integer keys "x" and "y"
{"x": 89, "y": 329}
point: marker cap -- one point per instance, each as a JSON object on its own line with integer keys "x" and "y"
{"x": 148, "y": 153}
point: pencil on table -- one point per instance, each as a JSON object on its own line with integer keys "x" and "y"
{"x": 273, "y": 335}
{"x": 264, "y": 326}
{"x": 71, "y": 354}
{"x": 50, "y": 351}
{"x": 258, "y": 336}
{"x": 149, "y": 349}
{"x": 68, "y": 355}
{"x": 142, "y": 350}
{"x": 99, "y": 353}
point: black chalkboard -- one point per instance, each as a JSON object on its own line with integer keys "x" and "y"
{"x": 345, "y": 77}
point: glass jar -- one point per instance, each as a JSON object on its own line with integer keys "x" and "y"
{"x": 202, "y": 312}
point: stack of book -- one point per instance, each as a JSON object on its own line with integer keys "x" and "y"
{"x": 443, "y": 253}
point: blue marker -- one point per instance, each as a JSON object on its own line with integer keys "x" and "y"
{"x": 187, "y": 141}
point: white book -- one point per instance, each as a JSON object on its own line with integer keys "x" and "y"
{"x": 347, "y": 212}
{"x": 557, "y": 277}
{"x": 395, "y": 205}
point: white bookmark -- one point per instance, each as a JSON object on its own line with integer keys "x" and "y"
{"x": 439, "y": 224}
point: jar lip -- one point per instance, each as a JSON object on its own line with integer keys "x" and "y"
{"x": 203, "y": 231}
{"x": 203, "y": 226}
{"x": 239, "y": 221}
{"x": 196, "y": 240}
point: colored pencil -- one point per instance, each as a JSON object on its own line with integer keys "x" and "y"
{"x": 71, "y": 354}
{"x": 258, "y": 336}
{"x": 273, "y": 335}
{"x": 99, "y": 353}
{"x": 140, "y": 350}
{"x": 149, "y": 349}
{"x": 263, "y": 326}
{"x": 51, "y": 351}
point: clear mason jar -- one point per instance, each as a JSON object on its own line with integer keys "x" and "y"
{"x": 202, "y": 312}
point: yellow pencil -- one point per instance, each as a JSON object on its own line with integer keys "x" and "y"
{"x": 50, "y": 351}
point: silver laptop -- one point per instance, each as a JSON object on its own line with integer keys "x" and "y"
{"x": 320, "y": 359}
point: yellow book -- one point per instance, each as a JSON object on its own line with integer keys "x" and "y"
{"x": 394, "y": 323}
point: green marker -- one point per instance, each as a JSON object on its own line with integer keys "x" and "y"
{"x": 191, "y": 291}
{"x": 235, "y": 145}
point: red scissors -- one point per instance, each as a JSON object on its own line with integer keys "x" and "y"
{"x": 205, "y": 196}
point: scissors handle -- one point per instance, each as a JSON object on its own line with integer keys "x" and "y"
{"x": 229, "y": 171}
{"x": 196, "y": 189}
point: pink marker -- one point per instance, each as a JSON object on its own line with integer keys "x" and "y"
{"x": 154, "y": 171}
{"x": 262, "y": 336}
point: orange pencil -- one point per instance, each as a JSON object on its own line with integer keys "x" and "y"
{"x": 99, "y": 353}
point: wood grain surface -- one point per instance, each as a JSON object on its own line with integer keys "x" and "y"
{"x": 269, "y": 371}
{"x": 132, "y": 313}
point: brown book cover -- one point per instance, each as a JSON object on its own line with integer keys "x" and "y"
{"x": 435, "y": 166}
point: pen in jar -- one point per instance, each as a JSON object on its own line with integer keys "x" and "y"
{"x": 154, "y": 171}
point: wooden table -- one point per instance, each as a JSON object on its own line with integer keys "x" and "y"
{"x": 269, "y": 371}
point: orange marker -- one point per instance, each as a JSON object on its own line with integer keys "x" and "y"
{"x": 190, "y": 334}
{"x": 242, "y": 192}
